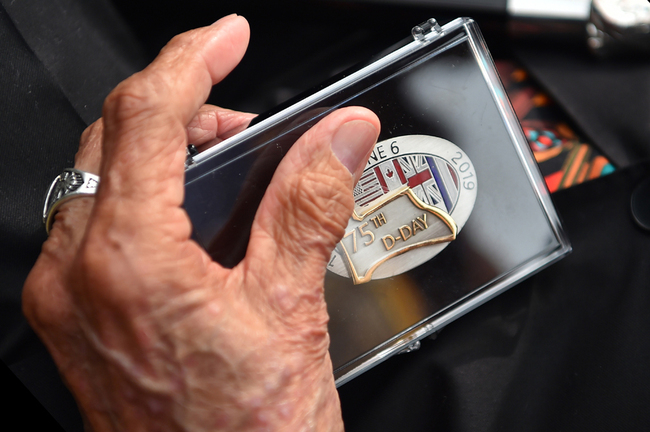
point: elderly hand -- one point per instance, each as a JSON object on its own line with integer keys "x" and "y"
{"x": 148, "y": 332}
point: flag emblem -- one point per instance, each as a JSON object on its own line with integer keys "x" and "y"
{"x": 406, "y": 180}
{"x": 433, "y": 179}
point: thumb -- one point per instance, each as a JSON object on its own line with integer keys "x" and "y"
{"x": 308, "y": 203}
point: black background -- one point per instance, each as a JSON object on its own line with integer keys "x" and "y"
{"x": 566, "y": 350}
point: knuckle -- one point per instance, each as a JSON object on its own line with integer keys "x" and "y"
{"x": 321, "y": 201}
{"x": 181, "y": 41}
{"x": 126, "y": 100}
{"x": 149, "y": 89}
{"x": 134, "y": 98}
{"x": 203, "y": 127}
{"x": 315, "y": 211}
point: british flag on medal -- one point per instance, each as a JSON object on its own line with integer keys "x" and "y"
{"x": 431, "y": 178}
{"x": 415, "y": 195}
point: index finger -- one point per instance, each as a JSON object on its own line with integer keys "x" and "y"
{"x": 145, "y": 117}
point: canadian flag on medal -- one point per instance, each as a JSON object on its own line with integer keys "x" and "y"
{"x": 432, "y": 179}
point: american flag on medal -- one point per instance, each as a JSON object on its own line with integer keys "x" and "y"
{"x": 432, "y": 179}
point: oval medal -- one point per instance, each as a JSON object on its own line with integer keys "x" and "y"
{"x": 413, "y": 198}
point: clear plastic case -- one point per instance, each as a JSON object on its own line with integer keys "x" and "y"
{"x": 451, "y": 150}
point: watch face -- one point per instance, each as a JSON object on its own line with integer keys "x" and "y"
{"x": 413, "y": 199}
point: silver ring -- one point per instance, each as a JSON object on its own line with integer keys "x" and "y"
{"x": 71, "y": 183}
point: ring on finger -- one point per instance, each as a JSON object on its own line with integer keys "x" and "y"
{"x": 71, "y": 183}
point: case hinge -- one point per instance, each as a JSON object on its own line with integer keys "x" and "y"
{"x": 430, "y": 26}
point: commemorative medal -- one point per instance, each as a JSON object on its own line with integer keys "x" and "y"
{"x": 413, "y": 198}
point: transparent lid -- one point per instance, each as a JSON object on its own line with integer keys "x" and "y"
{"x": 439, "y": 90}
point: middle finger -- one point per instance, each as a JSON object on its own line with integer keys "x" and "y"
{"x": 213, "y": 124}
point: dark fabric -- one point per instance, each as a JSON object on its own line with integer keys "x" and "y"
{"x": 20, "y": 409}
{"x": 564, "y": 350}
{"x": 38, "y": 375}
{"x": 40, "y": 132}
{"x": 84, "y": 45}
{"x": 610, "y": 100}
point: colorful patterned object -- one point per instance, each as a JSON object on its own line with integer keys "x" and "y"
{"x": 564, "y": 158}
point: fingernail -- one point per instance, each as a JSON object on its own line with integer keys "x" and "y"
{"x": 353, "y": 142}
{"x": 225, "y": 18}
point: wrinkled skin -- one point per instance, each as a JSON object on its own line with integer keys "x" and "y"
{"x": 148, "y": 332}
